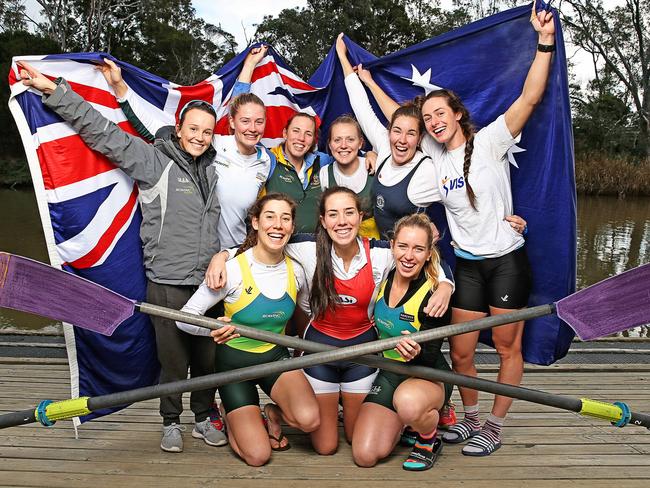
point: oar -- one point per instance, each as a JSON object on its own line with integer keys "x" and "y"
{"x": 19, "y": 272}
{"x": 612, "y": 305}
{"x": 48, "y": 412}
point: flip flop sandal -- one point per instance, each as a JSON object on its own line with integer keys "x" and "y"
{"x": 280, "y": 448}
{"x": 279, "y": 440}
{"x": 459, "y": 433}
{"x": 421, "y": 458}
{"x": 480, "y": 446}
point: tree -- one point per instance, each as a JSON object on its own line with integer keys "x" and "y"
{"x": 602, "y": 119}
{"x": 304, "y": 35}
{"x": 15, "y": 43}
{"x": 619, "y": 39}
{"x": 12, "y": 16}
{"x": 162, "y": 36}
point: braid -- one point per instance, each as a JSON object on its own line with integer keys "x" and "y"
{"x": 466, "y": 126}
{"x": 469, "y": 149}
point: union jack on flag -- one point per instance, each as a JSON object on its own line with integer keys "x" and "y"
{"x": 89, "y": 207}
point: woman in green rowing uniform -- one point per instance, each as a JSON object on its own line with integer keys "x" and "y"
{"x": 254, "y": 295}
{"x": 398, "y": 400}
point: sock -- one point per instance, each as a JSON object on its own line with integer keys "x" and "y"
{"x": 492, "y": 427}
{"x": 471, "y": 417}
{"x": 428, "y": 438}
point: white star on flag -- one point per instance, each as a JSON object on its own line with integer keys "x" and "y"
{"x": 423, "y": 80}
{"x": 511, "y": 155}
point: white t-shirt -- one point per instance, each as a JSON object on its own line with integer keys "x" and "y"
{"x": 271, "y": 280}
{"x": 421, "y": 190}
{"x": 482, "y": 232}
{"x": 355, "y": 182}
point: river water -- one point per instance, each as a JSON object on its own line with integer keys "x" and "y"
{"x": 613, "y": 236}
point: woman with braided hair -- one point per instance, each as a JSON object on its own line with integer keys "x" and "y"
{"x": 492, "y": 270}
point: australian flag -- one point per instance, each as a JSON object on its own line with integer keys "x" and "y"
{"x": 90, "y": 212}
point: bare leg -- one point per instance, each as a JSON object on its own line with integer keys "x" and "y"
{"x": 351, "y": 405}
{"x": 417, "y": 402}
{"x": 325, "y": 438}
{"x": 295, "y": 397}
{"x": 462, "y": 352}
{"x": 507, "y": 340}
{"x": 247, "y": 435}
{"x": 376, "y": 433}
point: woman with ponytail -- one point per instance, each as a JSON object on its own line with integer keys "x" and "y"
{"x": 261, "y": 289}
{"x": 492, "y": 270}
{"x": 396, "y": 400}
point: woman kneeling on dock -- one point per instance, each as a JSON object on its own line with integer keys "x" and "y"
{"x": 252, "y": 297}
{"x": 397, "y": 400}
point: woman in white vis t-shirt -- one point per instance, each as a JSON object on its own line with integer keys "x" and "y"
{"x": 492, "y": 271}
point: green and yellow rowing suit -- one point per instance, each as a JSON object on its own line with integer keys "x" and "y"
{"x": 407, "y": 315}
{"x": 254, "y": 309}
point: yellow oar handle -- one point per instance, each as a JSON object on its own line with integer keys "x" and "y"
{"x": 603, "y": 410}
{"x": 48, "y": 412}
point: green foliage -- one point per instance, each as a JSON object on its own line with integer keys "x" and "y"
{"x": 161, "y": 36}
{"x": 603, "y": 120}
{"x": 15, "y": 43}
{"x": 304, "y": 35}
{"x": 618, "y": 38}
{"x": 12, "y": 16}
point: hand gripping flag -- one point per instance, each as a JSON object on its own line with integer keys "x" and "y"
{"x": 89, "y": 207}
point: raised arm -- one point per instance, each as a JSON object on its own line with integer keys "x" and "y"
{"x": 137, "y": 158}
{"x": 370, "y": 124}
{"x": 255, "y": 55}
{"x": 535, "y": 85}
{"x": 386, "y": 104}
{"x": 145, "y": 118}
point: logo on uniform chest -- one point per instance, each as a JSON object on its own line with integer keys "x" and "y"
{"x": 347, "y": 300}
{"x": 406, "y": 317}
{"x": 449, "y": 184}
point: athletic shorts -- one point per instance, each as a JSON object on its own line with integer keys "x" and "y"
{"x": 386, "y": 383}
{"x": 236, "y": 395}
{"x": 502, "y": 282}
{"x": 341, "y": 375}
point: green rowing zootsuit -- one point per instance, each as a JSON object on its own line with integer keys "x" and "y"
{"x": 254, "y": 309}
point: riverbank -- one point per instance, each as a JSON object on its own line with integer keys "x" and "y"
{"x": 595, "y": 175}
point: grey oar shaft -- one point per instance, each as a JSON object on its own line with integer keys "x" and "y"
{"x": 366, "y": 348}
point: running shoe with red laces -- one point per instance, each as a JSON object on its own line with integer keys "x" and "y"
{"x": 447, "y": 416}
{"x": 215, "y": 418}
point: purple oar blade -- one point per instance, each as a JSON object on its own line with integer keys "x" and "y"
{"x": 613, "y": 305}
{"x": 30, "y": 286}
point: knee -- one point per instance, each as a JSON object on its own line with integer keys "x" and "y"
{"x": 408, "y": 409}
{"x": 462, "y": 359}
{"x": 509, "y": 351}
{"x": 256, "y": 456}
{"x": 363, "y": 457}
{"x": 308, "y": 419}
{"x": 326, "y": 448}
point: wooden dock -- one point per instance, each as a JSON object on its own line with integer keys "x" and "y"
{"x": 543, "y": 447}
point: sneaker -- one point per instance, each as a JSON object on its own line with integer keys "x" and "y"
{"x": 206, "y": 431}
{"x": 447, "y": 416}
{"x": 215, "y": 418}
{"x": 172, "y": 440}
